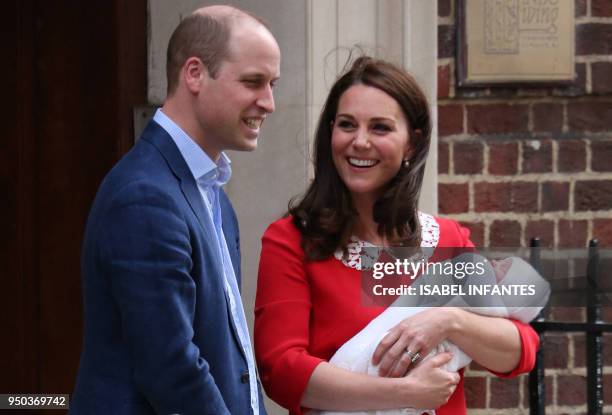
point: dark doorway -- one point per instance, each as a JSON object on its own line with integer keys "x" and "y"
{"x": 73, "y": 71}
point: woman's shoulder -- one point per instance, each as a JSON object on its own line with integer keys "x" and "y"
{"x": 283, "y": 228}
{"x": 449, "y": 232}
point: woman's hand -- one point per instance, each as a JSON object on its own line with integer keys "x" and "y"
{"x": 429, "y": 384}
{"x": 417, "y": 334}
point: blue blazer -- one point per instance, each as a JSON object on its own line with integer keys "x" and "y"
{"x": 158, "y": 336}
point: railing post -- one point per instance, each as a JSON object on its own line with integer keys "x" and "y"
{"x": 594, "y": 340}
{"x": 537, "y": 395}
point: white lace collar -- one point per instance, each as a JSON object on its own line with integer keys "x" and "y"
{"x": 430, "y": 236}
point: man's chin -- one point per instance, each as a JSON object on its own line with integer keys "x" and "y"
{"x": 249, "y": 144}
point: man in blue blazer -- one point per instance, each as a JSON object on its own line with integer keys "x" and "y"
{"x": 165, "y": 330}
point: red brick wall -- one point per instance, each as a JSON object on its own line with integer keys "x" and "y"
{"x": 532, "y": 161}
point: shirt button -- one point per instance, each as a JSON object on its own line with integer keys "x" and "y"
{"x": 244, "y": 378}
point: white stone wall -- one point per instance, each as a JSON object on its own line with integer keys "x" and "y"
{"x": 313, "y": 36}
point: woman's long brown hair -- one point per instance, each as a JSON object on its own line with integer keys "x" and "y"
{"x": 325, "y": 214}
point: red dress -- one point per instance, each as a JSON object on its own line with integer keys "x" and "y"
{"x": 305, "y": 311}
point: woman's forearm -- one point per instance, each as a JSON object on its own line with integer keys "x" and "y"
{"x": 492, "y": 342}
{"x": 428, "y": 386}
{"x": 332, "y": 388}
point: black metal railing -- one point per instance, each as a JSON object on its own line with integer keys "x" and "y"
{"x": 594, "y": 328}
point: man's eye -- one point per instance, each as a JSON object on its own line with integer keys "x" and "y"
{"x": 251, "y": 82}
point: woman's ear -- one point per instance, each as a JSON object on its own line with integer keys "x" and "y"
{"x": 415, "y": 136}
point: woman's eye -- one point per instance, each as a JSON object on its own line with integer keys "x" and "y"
{"x": 345, "y": 124}
{"x": 381, "y": 128}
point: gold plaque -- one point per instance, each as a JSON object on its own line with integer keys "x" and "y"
{"x": 507, "y": 41}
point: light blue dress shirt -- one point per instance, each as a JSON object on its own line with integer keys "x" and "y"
{"x": 210, "y": 177}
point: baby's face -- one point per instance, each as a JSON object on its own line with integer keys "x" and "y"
{"x": 501, "y": 267}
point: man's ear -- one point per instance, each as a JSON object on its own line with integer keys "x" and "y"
{"x": 194, "y": 72}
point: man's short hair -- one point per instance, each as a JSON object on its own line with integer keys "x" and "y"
{"x": 205, "y": 36}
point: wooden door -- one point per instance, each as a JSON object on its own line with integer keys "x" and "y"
{"x": 73, "y": 71}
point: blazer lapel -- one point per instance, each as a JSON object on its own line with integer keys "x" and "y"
{"x": 158, "y": 137}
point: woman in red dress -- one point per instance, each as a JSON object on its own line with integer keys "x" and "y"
{"x": 370, "y": 150}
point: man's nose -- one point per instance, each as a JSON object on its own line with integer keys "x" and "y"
{"x": 266, "y": 100}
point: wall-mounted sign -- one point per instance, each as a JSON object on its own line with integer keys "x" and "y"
{"x": 509, "y": 41}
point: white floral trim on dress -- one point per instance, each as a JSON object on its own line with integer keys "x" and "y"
{"x": 430, "y": 236}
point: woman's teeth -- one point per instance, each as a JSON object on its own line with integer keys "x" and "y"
{"x": 362, "y": 162}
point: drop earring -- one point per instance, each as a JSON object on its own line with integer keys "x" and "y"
{"x": 406, "y": 163}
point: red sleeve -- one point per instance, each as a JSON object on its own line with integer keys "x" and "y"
{"x": 530, "y": 341}
{"x": 282, "y": 316}
{"x": 454, "y": 235}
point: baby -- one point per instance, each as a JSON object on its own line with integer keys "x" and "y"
{"x": 356, "y": 354}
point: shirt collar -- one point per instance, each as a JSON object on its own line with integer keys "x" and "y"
{"x": 205, "y": 171}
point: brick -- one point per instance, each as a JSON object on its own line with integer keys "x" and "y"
{"x": 504, "y": 393}
{"x": 450, "y": 119}
{"x": 601, "y": 78}
{"x": 593, "y": 195}
{"x": 556, "y": 349}
{"x": 453, "y": 197}
{"x": 580, "y": 350}
{"x": 503, "y": 158}
{"x": 601, "y": 8}
{"x": 475, "y": 391}
{"x": 573, "y": 389}
{"x": 506, "y": 197}
{"x": 543, "y": 229}
{"x": 601, "y": 155}
{"x": 443, "y": 157}
{"x": 607, "y": 349}
{"x": 607, "y": 389}
{"x": 446, "y": 41}
{"x": 590, "y": 116}
{"x": 571, "y": 156}
{"x": 606, "y": 313}
{"x": 476, "y": 232}
{"x": 555, "y": 196}
{"x": 594, "y": 39}
{"x": 602, "y": 230}
{"x": 444, "y": 74}
{"x": 444, "y": 8}
{"x": 505, "y": 233}
{"x": 547, "y": 117}
{"x": 497, "y": 118}
{"x": 581, "y": 8}
{"x": 572, "y": 233}
{"x": 468, "y": 157}
{"x": 524, "y": 196}
{"x": 555, "y": 268}
{"x": 577, "y": 87}
{"x": 537, "y": 156}
{"x": 573, "y": 314}
{"x": 474, "y": 366}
